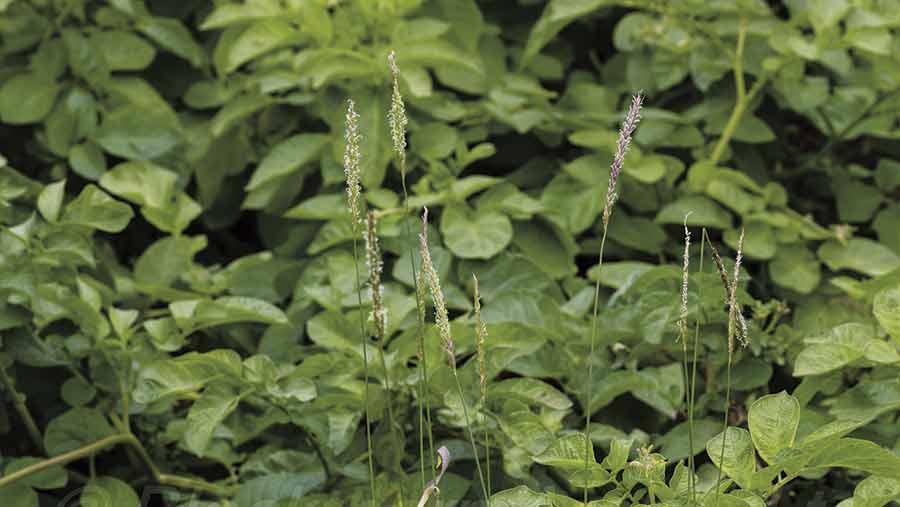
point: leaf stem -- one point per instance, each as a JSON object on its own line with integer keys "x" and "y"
{"x": 19, "y": 403}
{"x": 112, "y": 441}
{"x": 589, "y": 388}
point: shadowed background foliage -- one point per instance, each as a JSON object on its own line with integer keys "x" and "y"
{"x": 176, "y": 251}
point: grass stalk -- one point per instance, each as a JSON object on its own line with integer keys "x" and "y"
{"x": 734, "y": 322}
{"x": 693, "y": 383}
{"x": 397, "y": 122}
{"x": 589, "y": 387}
{"x": 683, "y": 336}
{"x": 628, "y": 127}
{"x": 480, "y": 345}
{"x": 442, "y": 321}
{"x": 352, "y": 171}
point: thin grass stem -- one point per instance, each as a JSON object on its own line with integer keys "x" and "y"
{"x": 693, "y": 384}
{"x": 589, "y": 388}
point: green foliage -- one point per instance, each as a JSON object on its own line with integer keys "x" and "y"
{"x": 177, "y": 275}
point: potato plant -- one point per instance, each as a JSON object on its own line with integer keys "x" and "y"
{"x": 449, "y": 253}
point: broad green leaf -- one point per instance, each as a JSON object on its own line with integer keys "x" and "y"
{"x": 229, "y": 14}
{"x": 94, "y": 208}
{"x": 568, "y": 452}
{"x": 278, "y": 489}
{"x": 840, "y": 346}
{"x": 108, "y": 492}
{"x": 557, "y": 14}
{"x": 675, "y": 446}
{"x": 287, "y": 157}
{"x": 18, "y": 495}
{"x": 197, "y": 314}
{"x": 861, "y": 255}
{"x": 886, "y": 308}
{"x": 434, "y": 140}
{"x": 637, "y": 232}
{"x": 76, "y": 428}
{"x": 236, "y": 110}
{"x": 795, "y": 267}
{"x": 472, "y": 234}
{"x": 876, "y": 491}
{"x": 171, "y": 34}
{"x": 532, "y": 391}
{"x": 87, "y": 161}
{"x": 123, "y": 50}
{"x": 619, "y": 273}
{"x": 77, "y": 393}
{"x": 553, "y": 257}
{"x": 825, "y": 14}
{"x": 887, "y": 225}
{"x": 877, "y": 40}
{"x": 867, "y": 400}
{"x": 214, "y": 405}
{"x": 175, "y": 216}
{"x": 856, "y": 201}
{"x": 321, "y": 207}
{"x": 27, "y": 98}
{"x": 260, "y": 38}
{"x": 619, "y": 450}
{"x": 857, "y": 454}
{"x": 50, "y": 200}
{"x": 700, "y": 211}
{"x": 143, "y": 183}
{"x": 138, "y": 133}
{"x": 732, "y": 451}
{"x": 51, "y": 478}
{"x": 519, "y": 496}
{"x": 437, "y": 53}
{"x": 376, "y": 139}
{"x": 557, "y": 500}
{"x": 163, "y": 262}
{"x": 759, "y": 240}
{"x": 616, "y": 383}
{"x": 773, "y": 421}
{"x": 185, "y": 374}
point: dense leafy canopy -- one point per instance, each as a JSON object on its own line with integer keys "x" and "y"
{"x": 178, "y": 284}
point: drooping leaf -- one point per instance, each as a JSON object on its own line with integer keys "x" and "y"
{"x": 472, "y": 234}
{"x": 732, "y": 451}
{"x": 773, "y": 421}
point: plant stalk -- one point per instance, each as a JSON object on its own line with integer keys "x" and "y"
{"x": 365, "y": 344}
{"x": 462, "y": 399}
{"x": 589, "y": 391}
{"x": 22, "y": 408}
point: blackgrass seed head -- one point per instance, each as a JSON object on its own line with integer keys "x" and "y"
{"x": 480, "y": 339}
{"x": 397, "y": 115}
{"x": 628, "y": 127}
{"x": 437, "y": 295}
{"x": 352, "y": 158}
{"x": 683, "y": 317}
{"x": 376, "y": 289}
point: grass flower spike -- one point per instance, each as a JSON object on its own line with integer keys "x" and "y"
{"x": 376, "y": 289}
{"x": 480, "y": 344}
{"x": 443, "y": 324}
{"x": 352, "y": 158}
{"x": 397, "y": 116}
{"x": 686, "y": 261}
{"x": 628, "y": 126}
{"x": 437, "y": 295}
